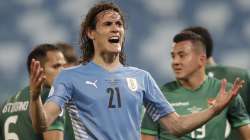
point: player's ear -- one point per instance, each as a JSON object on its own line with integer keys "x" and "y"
{"x": 203, "y": 59}
{"x": 91, "y": 33}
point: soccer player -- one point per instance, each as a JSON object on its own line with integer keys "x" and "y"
{"x": 104, "y": 95}
{"x": 15, "y": 122}
{"x": 221, "y": 71}
{"x": 69, "y": 54}
{"x": 193, "y": 91}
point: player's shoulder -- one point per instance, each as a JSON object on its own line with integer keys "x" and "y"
{"x": 170, "y": 86}
{"x": 216, "y": 83}
{"x": 229, "y": 69}
{"x": 20, "y": 98}
{"x": 131, "y": 69}
{"x": 21, "y": 95}
{"x": 212, "y": 80}
{"x": 73, "y": 68}
{"x": 70, "y": 72}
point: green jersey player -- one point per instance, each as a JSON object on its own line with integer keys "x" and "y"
{"x": 15, "y": 123}
{"x": 187, "y": 101}
{"x": 193, "y": 91}
{"x": 221, "y": 71}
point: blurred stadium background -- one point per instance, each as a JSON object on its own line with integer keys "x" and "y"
{"x": 151, "y": 26}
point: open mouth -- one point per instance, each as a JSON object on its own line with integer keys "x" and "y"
{"x": 177, "y": 70}
{"x": 114, "y": 39}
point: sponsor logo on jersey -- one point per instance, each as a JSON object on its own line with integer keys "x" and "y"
{"x": 194, "y": 109}
{"x": 91, "y": 83}
{"x": 132, "y": 84}
{"x": 180, "y": 104}
{"x": 15, "y": 107}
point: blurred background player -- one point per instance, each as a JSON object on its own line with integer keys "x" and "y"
{"x": 15, "y": 122}
{"x": 194, "y": 91}
{"x": 221, "y": 71}
{"x": 69, "y": 53}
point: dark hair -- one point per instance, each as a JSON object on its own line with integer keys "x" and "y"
{"x": 204, "y": 33}
{"x": 68, "y": 52}
{"x": 86, "y": 44}
{"x": 40, "y": 53}
{"x": 193, "y": 37}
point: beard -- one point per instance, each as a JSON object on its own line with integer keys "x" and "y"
{"x": 109, "y": 57}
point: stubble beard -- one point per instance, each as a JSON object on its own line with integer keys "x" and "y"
{"x": 109, "y": 57}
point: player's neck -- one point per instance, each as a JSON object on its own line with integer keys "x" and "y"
{"x": 109, "y": 63}
{"x": 194, "y": 81}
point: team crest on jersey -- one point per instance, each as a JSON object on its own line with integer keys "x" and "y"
{"x": 210, "y": 74}
{"x": 132, "y": 84}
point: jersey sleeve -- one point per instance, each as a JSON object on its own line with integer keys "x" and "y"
{"x": 61, "y": 91}
{"x": 155, "y": 103}
{"x": 58, "y": 124}
{"x": 237, "y": 114}
{"x": 247, "y": 92}
{"x": 149, "y": 127}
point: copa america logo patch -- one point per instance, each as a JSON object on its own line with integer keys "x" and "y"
{"x": 132, "y": 84}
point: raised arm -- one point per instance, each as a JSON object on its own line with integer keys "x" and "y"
{"x": 41, "y": 116}
{"x": 53, "y": 135}
{"x": 180, "y": 125}
{"x": 244, "y": 132}
{"x": 148, "y": 137}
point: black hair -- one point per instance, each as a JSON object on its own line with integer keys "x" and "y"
{"x": 204, "y": 33}
{"x": 40, "y": 53}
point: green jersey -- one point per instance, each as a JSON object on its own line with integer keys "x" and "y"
{"x": 187, "y": 101}
{"x": 15, "y": 123}
{"x": 231, "y": 73}
{"x": 69, "y": 132}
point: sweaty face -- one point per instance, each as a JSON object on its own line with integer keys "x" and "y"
{"x": 53, "y": 65}
{"x": 109, "y": 33}
{"x": 185, "y": 61}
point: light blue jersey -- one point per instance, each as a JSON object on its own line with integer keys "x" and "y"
{"x": 107, "y": 105}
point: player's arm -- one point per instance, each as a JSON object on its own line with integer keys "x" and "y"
{"x": 180, "y": 125}
{"x": 244, "y": 132}
{"x": 149, "y": 128}
{"x": 148, "y": 137}
{"x": 53, "y": 135}
{"x": 41, "y": 116}
{"x": 56, "y": 129}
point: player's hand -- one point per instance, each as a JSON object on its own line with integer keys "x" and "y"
{"x": 37, "y": 78}
{"x": 224, "y": 97}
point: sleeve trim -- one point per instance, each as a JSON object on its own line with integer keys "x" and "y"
{"x": 56, "y": 128}
{"x": 242, "y": 123}
{"x": 149, "y": 132}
